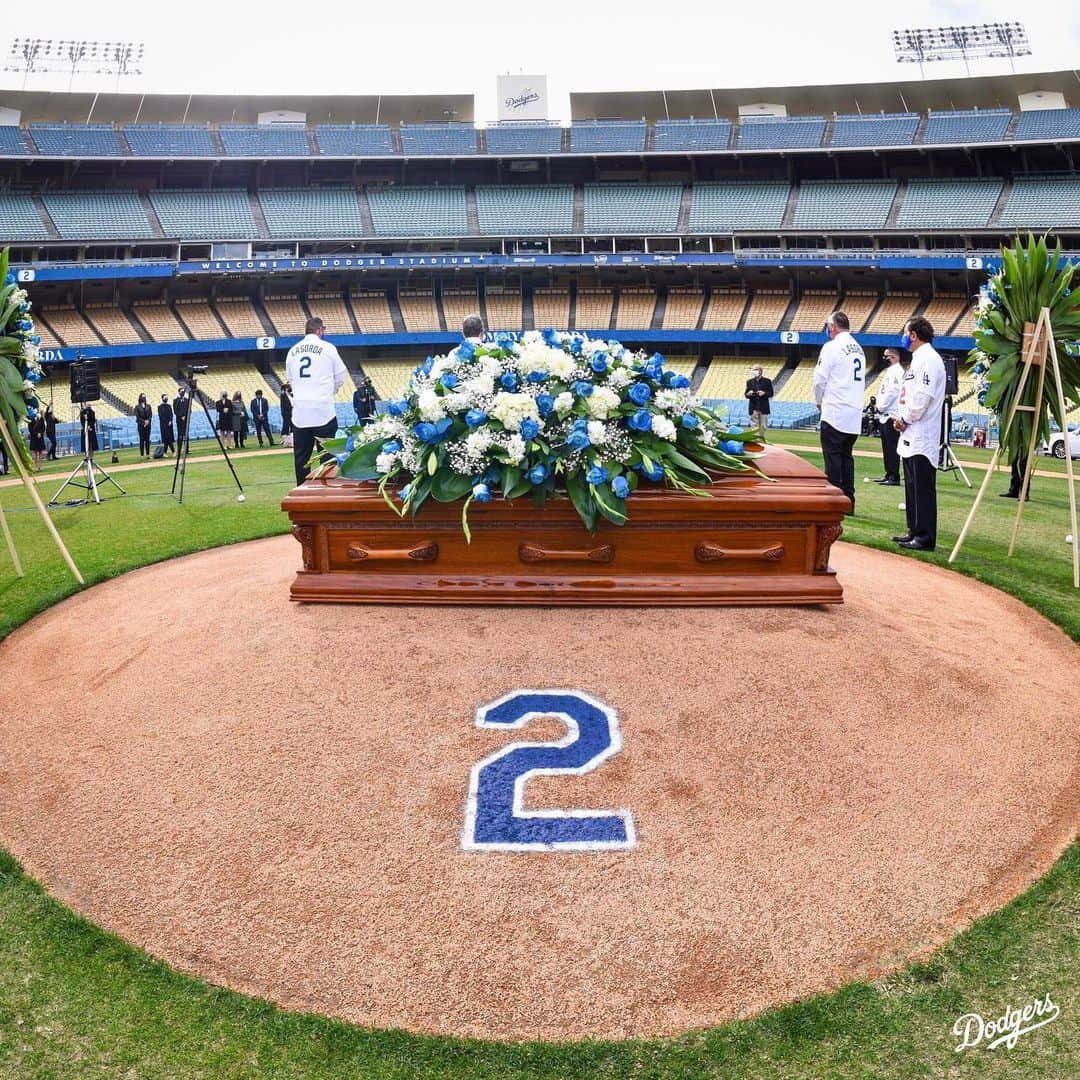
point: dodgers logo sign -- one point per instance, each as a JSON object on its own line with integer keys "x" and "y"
{"x": 494, "y": 816}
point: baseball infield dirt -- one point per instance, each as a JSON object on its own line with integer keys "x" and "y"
{"x": 272, "y": 796}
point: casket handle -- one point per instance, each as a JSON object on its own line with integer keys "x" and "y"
{"x": 710, "y": 552}
{"x": 533, "y": 553}
{"x": 362, "y": 553}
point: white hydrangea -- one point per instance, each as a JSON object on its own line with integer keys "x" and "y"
{"x": 482, "y": 385}
{"x": 663, "y": 428}
{"x": 560, "y": 365}
{"x": 535, "y": 356}
{"x": 490, "y": 365}
{"x": 597, "y": 433}
{"x": 564, "y": 402}
{"x": 478, "y": 441}
{"x": 511, "y": 409}
{"x": 529, "y": 337}
{"x": 456, "y": 402}
{"x": 443, "y": 363}
{"x": 601, "y": 401}
{"x": 386, "y": 427}
{"x": 409, "y": 455}
{"x": 620, "y": 378}
{"x": 384, "y": 463}
{"x": 515, "y": 449}
{"x": 430, "y": 405}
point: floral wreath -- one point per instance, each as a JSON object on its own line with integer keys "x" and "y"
{"x": 20, "y": 371}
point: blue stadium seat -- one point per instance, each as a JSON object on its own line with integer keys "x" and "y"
{"x": 686, "y": 135}
{"x": 418, "y": 211}
{"x": 1048, "y": 124}
{"x": 223, "y": 214}
{"x": 632, "y": 208}
{"x": 875, "y": 129}
{"x": 948, "y": 204}
{"x": 525, "y": 209}
{"x": 354, "y": 140}
{"x": 524, "y": 138}
{"x": 752, "y": 204}
{"x": 607, "y": 136}
{"x": 1043, "y": 202}
{"x": 312, "y": 212}
{"x": 451, "y": 139}
{"x": 12, "y": 142}
{"x": 967, "y": 126}
{"x": 76, "y": 140}
{"x": 19, "y": 219}
{"x": 780, "y": 132}
{"x": 170, "y": 140}
{"x": 97, "y": 215}
{"x": 264, "y": 140}
{"x": 844, "y": 204}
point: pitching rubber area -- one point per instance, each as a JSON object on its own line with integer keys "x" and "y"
{"x": 275, "y": 797}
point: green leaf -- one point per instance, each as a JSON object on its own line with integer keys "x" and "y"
{"x": 582, "y": 499}
{"x": 449, "y": 486}
{"x": 355, "y": 468}
{"x": 611, "y": 506}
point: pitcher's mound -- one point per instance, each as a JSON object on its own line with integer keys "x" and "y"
{"x": 274, "y": 796}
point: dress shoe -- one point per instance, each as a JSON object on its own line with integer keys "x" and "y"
{"x": 881, "y": 480}
{"x": 902, "y": 539}
{"x": 915, "y": 544}
{"x": 1007, "y": 495}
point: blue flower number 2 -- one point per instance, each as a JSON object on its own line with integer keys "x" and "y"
{"x": 494, "y": 818}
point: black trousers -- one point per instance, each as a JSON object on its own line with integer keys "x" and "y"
{"x": 260, "y": 427}
{"x": 839, "y": 460}
{"x": 167, "y": 438}
{"x": 304, "y": 444}
{"x": 144, "y": 441}
{"x": 890, "y": 440}
{"x": 51, "y": 455}
{"x": 1016, "y": 480}
{"x": 920, "y": 499}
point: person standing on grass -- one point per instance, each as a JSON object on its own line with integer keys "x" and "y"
{"x": 888, "y": 404}
{"x": 37, "y": 440}
{"x": 922, "y": 401}
{"x": 286, "y": 415}
{"x": 316, "y": 373}
{"x": 239, "y": 421}
{"x": 839, "y": 382}
{"x": 144, "y": 417}
{"x": 50, "y": 432}
{"x": 223, "y": 405}
{"x": 165, "y": 424}
{"x": 759, "y": 391}
{"x": 260, "y": 415}
{"x": 181, "y": 407}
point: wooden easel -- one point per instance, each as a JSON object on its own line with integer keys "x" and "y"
{"x": 1038, "y": 349}
{"x": 32, "y": 488}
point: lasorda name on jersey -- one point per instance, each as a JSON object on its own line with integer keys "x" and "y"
{"x": 310, "y": 347}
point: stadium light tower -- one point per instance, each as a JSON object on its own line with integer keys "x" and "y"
{"x": 33, "y": 56}
{"x": 974, "y": 42}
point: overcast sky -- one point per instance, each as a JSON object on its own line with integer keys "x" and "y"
{"x": 423, "y": 46}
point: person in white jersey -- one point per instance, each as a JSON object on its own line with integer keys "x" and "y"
{"x": 839, "y": 382}
{"x": 922, "y": 401}
{"x": 315, "y": 371}
{"x": 888, "y": 405}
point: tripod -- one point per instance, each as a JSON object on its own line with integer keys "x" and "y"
{"x": 184, "y": 442}
{"x": 946, "y": 458}
{"x": 87, "y": 466}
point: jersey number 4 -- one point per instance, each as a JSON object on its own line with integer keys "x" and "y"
{"x": 494, "y": 818}
{"x": 305, "y": 368}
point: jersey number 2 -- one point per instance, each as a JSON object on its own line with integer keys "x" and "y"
{"x": 494, "y": 818}
{"x": 305, "y": 368}
{"x": 857, "y": 377}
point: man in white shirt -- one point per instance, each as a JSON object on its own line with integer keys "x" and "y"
{"x": 472, "y": 329}
{"x": 922, "y": 401}
{"x": 839, "y": 382}
{"x": 315, "y": 371}
{"x": 888, "y": 405}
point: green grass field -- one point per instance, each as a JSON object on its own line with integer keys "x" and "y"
{"x": 77, "y": 1002}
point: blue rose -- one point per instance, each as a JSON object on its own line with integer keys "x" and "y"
{"x": 537, "y": 377}
{"x": 391, "y": 447}
{"x": 544, "y": 404}
{"x": 481, "y": 492}
{"x": 680, "y": 382}
{"x": 397, "y": 408}
{"x": 537, "y": 474}
{"x": 509, "y": 381}
{"x": 493, "y": 475}
{"x": 596, "y": 475}
{"x": 641, "y": 420}
{"x": 578, "y": 439}
{"x": 475, "y": 417}
{"x": 25, "y": 324}
{"x": 10, "y": 279}
{"x": 654, "y": 472}
{"x": 730, "y": 446}
{"x": 425, "y": 367}
{"x": 689, "y": 421}
{"x": 599, "y": 363}
{"x": 668, "y": 378}
{"x": 582, "y": 388}
{"x": 426, "y": 432}
{"x": 466, "y": 350}
{"x": 405, "y": 492}
{"x": 551, "y": 338}
{"x": 448, "y": 379}
{"x": 529, "y": 428}
{"x": 620, "y": 486}
{"x": 444, "y": 425}
{"x": 576, "y": 345}
{"x": 504, "y": 339}
{"x": 735, "y": 430}
{"x": 639, "y": 393}
{"x": 35, "y": 339}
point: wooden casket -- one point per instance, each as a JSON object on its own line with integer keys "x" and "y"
{"x": 755, "y": 541}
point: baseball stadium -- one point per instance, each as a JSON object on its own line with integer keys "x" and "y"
{"x": 257, "y": 817}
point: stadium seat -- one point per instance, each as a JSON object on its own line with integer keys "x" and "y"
{"x": 895, "y": 310}
{"x": 685, "y": 136}
{"x": 457, "y": 305}
{"x": 725, "y": 377}
{"x": 799, "y": 384}
{"x": 551, "y": 309}
{"x": 312, "y": 212}
{"x": 857, "y": 306}
{"x": 844, "y": 204}
{"x": 12, "y": 143}
{"x": 389, "y": 377}
{"x": 76, "y": 140}
{"x": 503, "y": 308}
{"x": 875, "y": 129}
{"x": 354, "y": 140}
{"x": 442, "y": 140}
{"x": 779, "y": 132}
{"x": 683, "y": 309}
{"x": 1040, "y": 203}
{"x": 524, "y": 138}
{"x": 239, "y": 315}
{"x": 97, "y": 215}
{"x": 200, "y": 321}
{"x": 594, "y": 310}
{"x": 128, "y": 385}
{"x": 944, "y": 310}
{"x": 725, "y": 310}
{"x": 766, "y": 310}
{"x": 607, "y": 137}
{"x": 418, "y": 310}
{"x": 632, "y": 208}
{"x": 814, "y": 308}
{"x": 372, "y": 313}
{"x": 112, "y": 324}
{"x": 964, "y": 126}
{"x": 738, "y": 205}
{"x": 418, "y": 211}
{"x": 1048, "y": 124}
{"x": 329, "y": 305}
{"x": 19, "y": 217}
{"x": 264, "y": 140}
{"x": 158, "y": 321}
{"x": 68, "y": 325}
{"x": 636, "y": 308}
{"x": 544, "y": 209}
{"x": 948, "y": 204}
{"x": 170, "y": 140}
{"x": 221, "y": 214}
{"x": 286, "y": 314}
